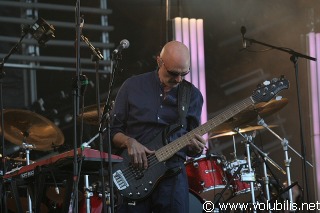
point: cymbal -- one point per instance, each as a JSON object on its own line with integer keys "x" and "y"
{"x": 90, "y": 114}
{"x": 241, "y": 130}
{"x": 25, "y": 126}
{"x": 19, "y": 159}
{"x": 263, "y": 109}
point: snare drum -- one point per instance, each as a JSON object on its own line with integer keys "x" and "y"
{"x": 206, "y": 177}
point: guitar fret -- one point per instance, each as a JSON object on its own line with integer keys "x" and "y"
{"x": 169, "y": 150}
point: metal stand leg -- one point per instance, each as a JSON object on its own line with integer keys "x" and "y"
{"x": 287, "y": 164}
{"x": 252, "y": 175}
{"x": 285, "y": 145}
{"x": 28, "y": 147}
{"x": 266, "y": 180}
{"x": 88, "y": 193}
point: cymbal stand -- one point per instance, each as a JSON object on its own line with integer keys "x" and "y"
{"x": 88, "y": 193}
{"x": 266, "y": 180}
{"x": 265, "y": 158}
{"x": 87, "y": 188}
{"x": 27, "y": 148}
{"x": 285, "y": 145}
{"x": 234, "y": 148}
{"x": 250, "y": 177}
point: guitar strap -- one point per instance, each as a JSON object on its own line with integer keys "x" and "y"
{"x": 184, "y": 95}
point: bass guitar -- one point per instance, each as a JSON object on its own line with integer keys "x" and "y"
{"x": 137, "y": 184}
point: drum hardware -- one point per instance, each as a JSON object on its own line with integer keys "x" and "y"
{"x": 27, "y": 147}
{"x": 218, "y": 196}
{"x": 248, "y": 140}
{"x": 248, "y": 177}
{"x": 266, "y": 180}
{"x": 285, "y": 145}
{"x": 206, "y": 176}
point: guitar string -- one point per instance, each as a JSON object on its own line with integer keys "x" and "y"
{"x": 130, "y": 174}
{"x": 152, "y": 159}
{"x": 178, "y": 147}
{"x": 242, "y": 104}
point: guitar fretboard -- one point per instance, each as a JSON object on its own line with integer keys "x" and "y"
{"x": 169, "y": 150}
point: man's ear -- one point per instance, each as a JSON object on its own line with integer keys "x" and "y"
{"x": 159, "y": 62}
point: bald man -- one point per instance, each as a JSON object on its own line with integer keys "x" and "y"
{"x": 145, "y": 105}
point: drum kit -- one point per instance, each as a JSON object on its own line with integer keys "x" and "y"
{"x": 27, "y": 131}
{"x": 213, "y": 178}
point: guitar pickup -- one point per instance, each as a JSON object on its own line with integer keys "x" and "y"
{"x": 119, "y": 180}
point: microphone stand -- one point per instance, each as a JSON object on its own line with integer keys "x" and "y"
{"x": 3, "y": 162}
{"x": 294, "y": 58}
{"x": 76, "y": 92}
{"x": 96, "y": 57}
{"x": 105, "y": 122}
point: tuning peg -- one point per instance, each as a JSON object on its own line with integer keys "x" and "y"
{"x": 266, "y": 83}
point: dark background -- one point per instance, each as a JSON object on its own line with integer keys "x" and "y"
{"x": 231, "y": 73}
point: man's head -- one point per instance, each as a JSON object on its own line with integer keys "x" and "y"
{"x": 174, "y": 63}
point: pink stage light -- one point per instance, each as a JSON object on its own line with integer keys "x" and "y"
{"x": 313, "y": 41}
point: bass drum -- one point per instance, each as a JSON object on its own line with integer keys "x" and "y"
{"x": 195, "y": 202}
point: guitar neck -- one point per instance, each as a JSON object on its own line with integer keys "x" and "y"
{"x": 169, "y": 150}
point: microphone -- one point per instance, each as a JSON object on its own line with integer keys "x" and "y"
{"x": 81, "y": 24}
{"x": 124, "y": 44}
{"x": 243, "y": 31}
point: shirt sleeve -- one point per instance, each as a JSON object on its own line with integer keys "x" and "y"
{"x": 119, "y": 113}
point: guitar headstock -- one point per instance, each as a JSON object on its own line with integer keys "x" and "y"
{"x": 266, "y": 91}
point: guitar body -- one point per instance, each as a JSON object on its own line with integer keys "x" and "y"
{"x": 137, "y": 184}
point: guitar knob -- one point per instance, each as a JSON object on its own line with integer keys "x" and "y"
{"x": 130, "y": 194}
{"x": 150, "y": 182}
{"x": 138, "y": 193}
{"x": 145, "y": 189}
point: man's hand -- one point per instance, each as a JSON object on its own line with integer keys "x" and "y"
{"x": 138, "y": 153}
{"x": 197, "y": 144}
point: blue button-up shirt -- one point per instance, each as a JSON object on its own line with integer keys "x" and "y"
{"x": 142, "y": 109}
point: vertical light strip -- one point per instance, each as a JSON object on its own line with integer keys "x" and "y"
{"x": 314, "y": 68}
{"x": 186, "y": 39}
{"x": 190, "y": 32}
{"x": 194, "y": 53}
{"x": 192, "y": 37}
{"x": 201, "y": 68}
{"x": 177, "y": 25}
